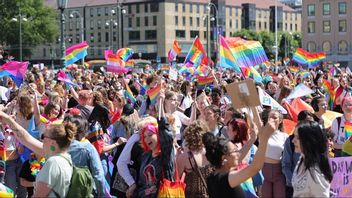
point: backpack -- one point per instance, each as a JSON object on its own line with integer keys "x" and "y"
{"x": 81, "y": 184}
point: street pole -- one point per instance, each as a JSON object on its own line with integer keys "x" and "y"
{"x": 118, "y": 25}
{"x": 82, "y": 35}
{"x": 217, "y": 28}
{"x": 62, "y": 60}
{"x": 208, "y": 38}
{"x": 277, "y": 47}
{"x": 20, "y": 34}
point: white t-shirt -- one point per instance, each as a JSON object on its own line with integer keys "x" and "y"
{"x": 339, "y": 133}
{"x": 57, "y": 173}
{"x": 305, "y": 186}
{"x": 276, "y": 145}
{"x": 180, "y": 119}
{"x": 186, "y": 102}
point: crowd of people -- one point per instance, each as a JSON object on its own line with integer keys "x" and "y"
{"x": 49, "y": 127}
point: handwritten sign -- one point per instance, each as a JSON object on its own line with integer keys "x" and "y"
{"x": 243, "y": 94}
{"x": 341, "y": 184}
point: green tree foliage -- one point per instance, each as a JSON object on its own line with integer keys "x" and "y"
{"x": 267, "y": 39}
{"x": 41, "y": 25}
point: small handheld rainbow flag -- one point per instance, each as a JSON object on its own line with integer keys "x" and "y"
{"x": 2, "y": 150}
{"x": 75, "y": 53}
{"x": 330, "y": 93}
{"x": 129, "y": 64}
{"x": 125, "y": 53}
{"x": 153, "y": 93}
{"x": 203, "y": 81}
{"x": 348, "y": 129}
{"x": 129, "y": 94}
{"x": 174, "y": 51}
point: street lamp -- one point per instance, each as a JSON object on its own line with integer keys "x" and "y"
{"x": 20, "y": 19}
{"x": 62, "y": 5}
{"x": 210, "y": 5}
{"x": 276, "y": 49}
{"x": 82, "y": 28}
{"x": 111, "y": 23}
{"x": 120, "y": 12}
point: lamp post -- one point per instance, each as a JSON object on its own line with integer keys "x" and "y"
{"x": 208, "y": 36}
{"x": 276, "y": 49}
{"x": 20, "y": 19}
{"x": 62, "y": 5}
{"x": 82, "y": 28}
{"x": 120, "y": 12}
{"x": 111, "y": 23}
{"x": 210, "y": 5}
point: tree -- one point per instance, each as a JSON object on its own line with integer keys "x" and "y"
{"x": 41, "y": 26}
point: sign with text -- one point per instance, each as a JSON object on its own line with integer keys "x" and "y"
{"x": 243, "y": 94}
{"x": 341, "y": 184}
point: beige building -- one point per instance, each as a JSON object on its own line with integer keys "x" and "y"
{"x": 327, "y": 27}
{"x": 150, "y": 27}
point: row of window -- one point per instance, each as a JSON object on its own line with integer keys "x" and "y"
{"x": 146, "y": 21}
{"x": 342, "y": 9}
{"x": 99, "y": 23}
{"x": 342, "y": 26}
{"x": 136, "y": 35}
{"x": 154, "y": 7}
{"x": 342, "y": 47}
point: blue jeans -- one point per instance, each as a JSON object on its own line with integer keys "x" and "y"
{"x": 12, "y": 180}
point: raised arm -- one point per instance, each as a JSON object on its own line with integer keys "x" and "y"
{"x": 22, "y": 135}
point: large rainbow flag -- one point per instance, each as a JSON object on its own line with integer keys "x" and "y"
{"x": 174, "y": 51}
{"x": 303, "y": 57}
{"x": 76, "y": 52}
{"x": 227, "y": 60}
{"x": 197, "y": 45}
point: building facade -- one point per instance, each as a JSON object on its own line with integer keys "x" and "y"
{"x": 327, "y": 27}
{"x": 149, "y": 27}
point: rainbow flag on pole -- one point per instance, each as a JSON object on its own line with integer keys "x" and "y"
{"x": 129, "y": 94}
{"x": 203, "y": 81}
{"x": 227, "y": 60}
{"x": 125, "y": 53}
{"x": 303, "y": 57}
{"x": 197, "y": 45}
{"x": 153, "y": 93}
{"x": 75, "y": 53}
{"x": 174, "y": 51}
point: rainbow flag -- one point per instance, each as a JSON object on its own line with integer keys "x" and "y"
{"x": 196, "y": 58}
{"x": 255, "y": 75}
{"x": 142, "y": 89}
{"x": 165, "y": 68}
{"x": 348, "y": 129}
{"x": 76, "y": 52}
{"x": 129, "y": 94}
{"x": 293, "y": 69}
{"x": 115, "y": 64}
{"x": 304, "y": 74}
{"x": 61, "y": 75}
{"x": 153, "y": 93}
{"x": 129, "y": 64}
{"x": 125, "y": 53}
{"x": 202, "y": 70}
{"x": 227, "y": 60}
{"x": 330, "y": 93}
{"x": 174, "y": 51}
{"x": 197, "y": 45}
{"x": 15, "y": 70}
{"x": 303, "y": 57}
{"x": 2, "y": 150}
{"x": 247, "y": 53}
{"x": 203, "y": 81}
{"x": 187, "y": 69}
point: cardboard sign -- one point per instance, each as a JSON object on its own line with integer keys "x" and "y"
{"x": 342, "y": 176}
{"x": 243, "y": 94}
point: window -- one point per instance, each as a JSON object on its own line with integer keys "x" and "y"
{"x": 190, "y": 21}
{"x": 138, "y": 21}
{"x": 91, "y": 12}
{"x": 327, "y": 47}
{"x": 146, "y": 21}
{"x": 146, "y": 7}
{"x": 326, "y": 26}
{"x": 137, "y": 8}
{"x": 91, "y": 37}
{"x": 311, "y": 10}
{"x": 259, "y": 24}
{"x": 230, "y": 23}
{"x": 311, "y": 46}
{"x": 130, "y": 22}
{"x": 342, "y": 8}
{"x": 98, "y": 11}
{"x": 265, "y": 25}
{"x": 70, "y": 38}
{"x": 99, "y": 36}
{"x": 91, "y": 50}
{"x": 134, "y": 35}
{"x": 230, "y": 11}
{"x": 70, "y": 26}
{"x": 311, "y": 27}
{"x": 342, "y": 47}
{"x": 106, "y": 11}
{"x": 78, "y": 25}
{"x": 180, "y": 34}
{"x": 107, "y": 24}
{"x": 129, "y": 9}
{"x": 193, "y": 34}
{"x": 78, "y": 38}
{"x": 205, "y": 8}
{"x": 155, "y": 21}
{"x": 184, "y": 21}
{"x": 154, "y": 7}
{"x": 106, "y": 36}
{"x": 176, "y": 7}
{"x": 150, "y": 34}
{"x": 190, "y": 8}
{"x": 198, "y": 8}
{"x": 183, "y": 7}
{"x": 205, "y": 34}
{"x": 198, "y": 21}
{"x": 237, "y": 24}
{"x": 342, "y": 25}
{"x": 99, "y": 50}
{"x": 99, "y": 24}
{"x": 236, "y": 11}
{"x": 326, "y": 8}
{"x": 114, "y": 36}
{"x": 205, "y": 20}
{"x": 176, "y": 20}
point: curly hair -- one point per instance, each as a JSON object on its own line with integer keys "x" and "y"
{"x": 193, "y": 135}
{"x": 25, "y": 106}
{"x": 215, "y": 148}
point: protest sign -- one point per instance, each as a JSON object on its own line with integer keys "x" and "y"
{"x": 173, "y": 74}
{"x": 267, "y": 100}
{"x": 243, "y": 94}
{"x": 341, "y": 184}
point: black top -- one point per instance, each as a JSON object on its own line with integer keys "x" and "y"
{"x": 25, "y": 172}
{"x": 218, "y": 186}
